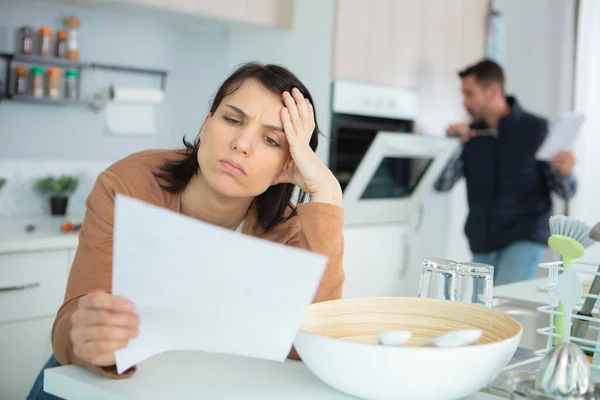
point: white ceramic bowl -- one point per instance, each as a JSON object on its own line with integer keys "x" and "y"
{"x": 338, "y": 343}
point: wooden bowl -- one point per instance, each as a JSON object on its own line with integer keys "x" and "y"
{"x": 338, "y": 343}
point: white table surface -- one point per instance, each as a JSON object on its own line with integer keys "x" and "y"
{"x": 191, "y": 375}
{"x": 200, "y": 375}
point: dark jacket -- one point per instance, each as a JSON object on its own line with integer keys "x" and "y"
{"x": 508, "y": 190}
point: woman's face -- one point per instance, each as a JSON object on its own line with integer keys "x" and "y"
{"x": 243, "y": 147}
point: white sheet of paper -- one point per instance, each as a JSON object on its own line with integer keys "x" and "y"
{"x": 561, "y": 136}
{"x": 200, "y": 287}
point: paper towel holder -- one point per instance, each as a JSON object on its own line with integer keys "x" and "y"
{"x": 98, "y": 100}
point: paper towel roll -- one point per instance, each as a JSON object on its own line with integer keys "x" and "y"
{"x": 132, "y": 111}
{"x": 135, "y": 95}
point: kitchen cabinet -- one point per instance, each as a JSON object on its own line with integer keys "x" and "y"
{"x": 377, "y": 41}
{"x": 263, "y": 13}
{"x": 375, "y": 260}
{"x": 25, "y": 348}
{"x": 398, "y": 42}
{"x": 274, "y": 13}
{"x": 32, "y": 288}
{"x": 383, "y": 260}
{"x": 31, "y": 283}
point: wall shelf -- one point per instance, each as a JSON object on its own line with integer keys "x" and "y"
{"x": 15, "y": 58}
{"x": 40, "y": 60}
{"x": 43, "y": 100}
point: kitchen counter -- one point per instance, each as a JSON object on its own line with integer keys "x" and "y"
{"x": 525, "y": 290}
{"x": 189, "y": 375}
{"x": 529, "y": 290}
{"x": 46, "y": 235}
{"x": 186, "y": 374}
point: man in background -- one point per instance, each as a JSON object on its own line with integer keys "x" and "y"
{"x": 508, "y": 190}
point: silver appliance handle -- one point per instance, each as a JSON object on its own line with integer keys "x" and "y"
{"x": 19, "y": 288}
{"x": 406, "y": 258}
{"x": 420, "y": 211}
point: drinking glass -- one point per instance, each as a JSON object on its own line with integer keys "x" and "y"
{"x": 438, "y": 279}
{"x": 465, "y": 282}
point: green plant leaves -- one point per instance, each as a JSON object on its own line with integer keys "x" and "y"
{"x": 63, "y": 185}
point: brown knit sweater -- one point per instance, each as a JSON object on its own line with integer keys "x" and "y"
{"x": 317, "y": 227}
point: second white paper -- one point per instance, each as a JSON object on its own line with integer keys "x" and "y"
{"x": 561, "y": 137}
{"x": 200, "y": 287}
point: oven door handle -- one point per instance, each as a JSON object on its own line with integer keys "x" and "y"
{"x": 419, "y": 217}
{"x": 406, "y": 255}
{"x": 413, "y": 152}
{"x": 372, "y": 126}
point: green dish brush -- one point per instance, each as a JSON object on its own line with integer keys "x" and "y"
{"x": 569, "y": 238}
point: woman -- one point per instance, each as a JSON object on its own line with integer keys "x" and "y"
{"x": 257, "y": 143}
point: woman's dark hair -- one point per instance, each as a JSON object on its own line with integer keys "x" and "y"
{"x": 273, "y": 203}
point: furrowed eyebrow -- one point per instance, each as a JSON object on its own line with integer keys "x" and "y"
{"x": 237, "y": 110}
{"x": 242, "y": 113}
{"x": 274, "y": 128}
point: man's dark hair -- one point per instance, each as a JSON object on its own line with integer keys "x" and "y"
{"x": 271, "y": 205}
{"x": 485, "y": 72}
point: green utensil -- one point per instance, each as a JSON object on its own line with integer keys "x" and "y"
{"x": 569, "y": 249}
{"x": 569, "y": 292}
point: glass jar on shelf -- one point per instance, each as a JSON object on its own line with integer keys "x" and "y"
{"x": 26, "y": 40}
{"x": 45, "y": 41}
{"x": 37, "y": 82}
{"x": 61, "y": 44}
{"x": 72, "y": 23}
{"x": 53, "y": 83}
{"x": 20, "y": 88}
{"x": 71, "y": 77}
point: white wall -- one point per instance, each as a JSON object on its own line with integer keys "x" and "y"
{"x": 539, "y": 45}
{"x": 585, "y": 205}
{"x": 195, "y": 59}
{"x": 306, "y": 50}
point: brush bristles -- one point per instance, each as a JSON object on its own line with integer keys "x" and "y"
{"x": 571, "y": 227}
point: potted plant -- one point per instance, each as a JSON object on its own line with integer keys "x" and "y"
{"x": 58, "y": 191}
{"x": 2, "y": 182}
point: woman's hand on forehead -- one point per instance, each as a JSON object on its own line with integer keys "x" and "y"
{"x": 306, "y": 170}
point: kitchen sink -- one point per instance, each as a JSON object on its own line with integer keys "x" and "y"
{"x": 528, "y": 316}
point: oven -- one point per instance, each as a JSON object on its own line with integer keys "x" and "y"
{"x": 383, "y": 167}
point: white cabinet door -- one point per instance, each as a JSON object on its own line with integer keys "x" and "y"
{"x": 375, "y": 260}
{"x": 32, "y": 284}
{"x": 24, "y": 349}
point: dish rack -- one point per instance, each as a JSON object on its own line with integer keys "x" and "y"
{"x": 589, "y": 346}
